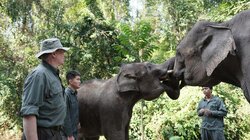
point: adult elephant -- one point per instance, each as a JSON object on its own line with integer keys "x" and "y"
{"x": 105, "y": 106}
{"x": 211, "y": 53}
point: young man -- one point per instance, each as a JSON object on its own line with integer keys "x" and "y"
{"x": 43, "y": 103}
{"x": 72, "y": 117}
{"x": 212, "y": 110}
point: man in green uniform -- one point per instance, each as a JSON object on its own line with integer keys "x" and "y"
{"x": 212, "y": 110}
{"x": 43, "y": 102}
{"x": 72, "y": 117}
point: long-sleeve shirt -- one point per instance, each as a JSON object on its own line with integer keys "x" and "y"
{"x": 215, "y": 121}
{"x": 43, "y": 96}
{"x": 72, "y": 117}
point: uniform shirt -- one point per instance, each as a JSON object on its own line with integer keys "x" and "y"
{"x": 72, "y": 117}
{"x": 43, "y": 96}
{"x": 218, "y": 111}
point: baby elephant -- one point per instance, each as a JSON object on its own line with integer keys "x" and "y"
{"x": 106, "y": 105}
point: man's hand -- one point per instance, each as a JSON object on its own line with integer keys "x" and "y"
{"x": 71, "y": 138}
{"x": 201, "y": 112}
{"x": 79, "y": 126}
{"x": 207, "y": 112}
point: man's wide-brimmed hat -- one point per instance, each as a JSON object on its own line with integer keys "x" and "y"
{"x": 49, "y": 46}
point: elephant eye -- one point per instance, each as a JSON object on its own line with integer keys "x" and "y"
{"x": 149, "y": 66}
{"x": 179, "y": 57}
{"x": 129, "y": 76}
{"x": 178, "y": 54}
{"x": 192, "y": 52}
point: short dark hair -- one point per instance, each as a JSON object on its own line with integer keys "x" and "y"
{"x": 72, "y": 74}
{"x": 210, "y": 87}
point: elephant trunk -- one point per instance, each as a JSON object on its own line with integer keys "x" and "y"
{"x": 178, "y": 71}
{"x": 167, "y": 68}
{"x": 169, "y": 81}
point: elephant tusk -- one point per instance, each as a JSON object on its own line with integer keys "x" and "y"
{"x": 166, "y": 76}
{"x": 170, "y": 71}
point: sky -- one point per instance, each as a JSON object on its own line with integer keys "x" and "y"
{"x": 136, "y": 5}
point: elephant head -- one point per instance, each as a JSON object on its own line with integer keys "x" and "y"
{"x": 202, "y": 51}
{"x": 147, "y": 80}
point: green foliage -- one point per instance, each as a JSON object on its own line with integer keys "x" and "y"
{"x": 137, "y": 42}
{"x": 115, "y": 10}
{"x": 92, "y": 5}
{"x": 238, "y": 119}
{"x": 93, "y": 50}
{"x": 227, "y": 9}
{"x": 91, "y": 41}
{"x": 165, "y": 118}
{"x": 19, "y": 10}
{"x": 13, "y": 70}
{"x": 174, "y": 18}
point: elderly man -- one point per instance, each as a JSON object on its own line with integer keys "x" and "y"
{"x": 43, "y": 103}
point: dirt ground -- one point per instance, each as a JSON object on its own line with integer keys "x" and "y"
{"x": 10, "y": 136}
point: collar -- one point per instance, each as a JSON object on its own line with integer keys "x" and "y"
{"x": 47, "y": 65}
{"x": 73, "y": 92}
{"x": 212, "y": 97}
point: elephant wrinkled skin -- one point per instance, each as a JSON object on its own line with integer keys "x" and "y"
{"x": 105, "y": 106}
{"x": 211, "y": 53}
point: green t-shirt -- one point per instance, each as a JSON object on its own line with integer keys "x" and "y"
{"x": 43, "y": 96}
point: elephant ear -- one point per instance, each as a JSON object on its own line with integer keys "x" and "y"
{"x": 127, "y": 79}
{"x": 216, "y": 47}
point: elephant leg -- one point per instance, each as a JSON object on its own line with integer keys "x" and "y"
{"x": 116, "y": 135}
{"x": 245, "y": 83}
{"x": 126, "y": 132}
{"x": 246, "y": 89}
